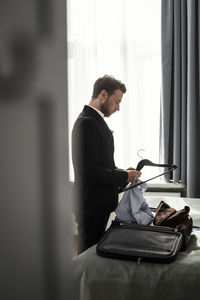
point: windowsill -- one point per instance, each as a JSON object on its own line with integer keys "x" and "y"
{"x": 167, "y": 187}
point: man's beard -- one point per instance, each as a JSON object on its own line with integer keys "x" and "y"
{"x": 105, "y": 110}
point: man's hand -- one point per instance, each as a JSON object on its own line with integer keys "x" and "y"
{"x": 133, "y": 175}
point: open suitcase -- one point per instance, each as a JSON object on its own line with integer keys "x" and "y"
{"x": 140, "y": 242}
{"x": 127, "y": 240}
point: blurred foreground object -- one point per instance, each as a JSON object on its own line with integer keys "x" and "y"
{"x": 35, "y": 255}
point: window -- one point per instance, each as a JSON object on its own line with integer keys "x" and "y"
{"x": 119, "y": 38}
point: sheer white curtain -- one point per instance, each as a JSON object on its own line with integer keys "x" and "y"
{"x": 119, "y": 38}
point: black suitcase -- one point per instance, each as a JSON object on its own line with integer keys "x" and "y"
{"x": 140, "y": 242}
{"x": 132, "y": 241}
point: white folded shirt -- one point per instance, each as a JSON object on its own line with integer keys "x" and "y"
{"x": 133, "y": 206}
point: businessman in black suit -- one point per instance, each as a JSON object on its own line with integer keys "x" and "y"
{"x": 97, "y": 179}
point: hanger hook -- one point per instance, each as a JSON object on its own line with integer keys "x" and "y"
{"x": 139, "y": 154}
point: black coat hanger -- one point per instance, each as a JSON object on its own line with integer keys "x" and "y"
{"x": 146, "y": 162}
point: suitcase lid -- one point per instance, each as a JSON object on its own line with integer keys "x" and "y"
{"x": 133, "y": 241}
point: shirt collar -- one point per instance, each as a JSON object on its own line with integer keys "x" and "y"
{"x": 98, "y": 111}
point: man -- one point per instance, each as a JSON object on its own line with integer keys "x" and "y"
{"x": 97, "y": 179}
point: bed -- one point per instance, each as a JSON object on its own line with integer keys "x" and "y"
{"x": 99, "y": 278}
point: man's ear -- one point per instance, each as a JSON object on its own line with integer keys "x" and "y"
{"x": 103, "y": 95}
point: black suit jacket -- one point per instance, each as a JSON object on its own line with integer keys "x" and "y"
{"x": 97, "y": 180}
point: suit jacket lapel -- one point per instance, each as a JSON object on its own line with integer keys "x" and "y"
{"x": 95, "y": 115}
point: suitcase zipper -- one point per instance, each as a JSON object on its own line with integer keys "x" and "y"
{"x": 139, "y": 260}
{"x": 148, "y": 228}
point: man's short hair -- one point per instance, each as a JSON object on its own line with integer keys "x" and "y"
{"x": 108, "y": 83}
